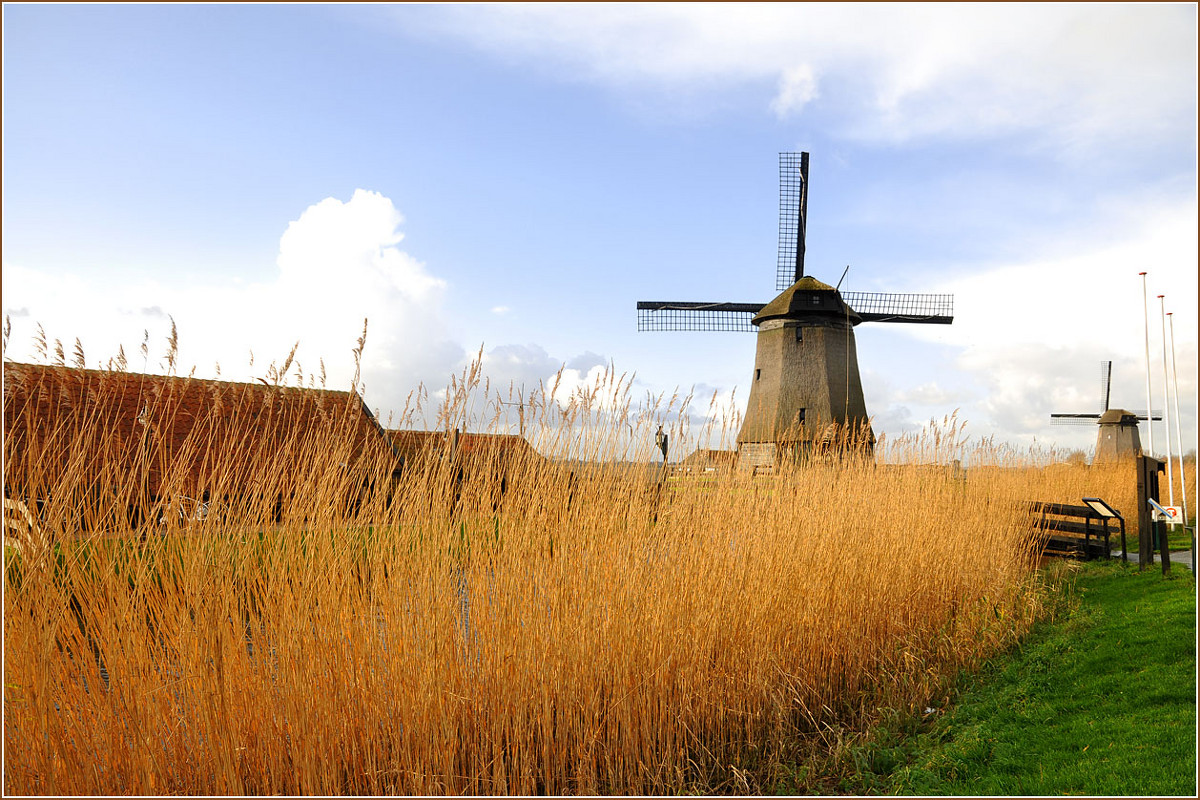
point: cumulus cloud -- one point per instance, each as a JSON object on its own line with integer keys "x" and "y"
{"x": 897, "y": 411}
{"x": 586, "y": 361}
{"x": 339, "y": 264}
{"x": 570, "y": 384}
{"x": 351, "y": 249}
{"x": 523, "y": 367}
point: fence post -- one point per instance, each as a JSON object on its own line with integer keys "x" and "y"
{"x": 1147, "y": 489}
{"x": 1143, "y": 514}
{"x": 1164, "y": 549}
{"x": 1124, "y": 553}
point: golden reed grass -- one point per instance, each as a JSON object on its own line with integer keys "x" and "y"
{"x": 507, "y": 625}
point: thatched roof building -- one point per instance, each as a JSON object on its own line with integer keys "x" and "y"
{"x": 701, "y": 460}
{"x": 142, "y": 435}
{"x": 469, "y": 448}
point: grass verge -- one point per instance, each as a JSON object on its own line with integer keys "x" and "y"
{"x": 1100, "y": 702}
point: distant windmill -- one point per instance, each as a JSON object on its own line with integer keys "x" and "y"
{"x": 1118, "y": 436}
{"x": 806, "y": 393}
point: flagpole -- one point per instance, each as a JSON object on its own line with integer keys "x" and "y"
{"x": 1162, "y": 310}
{"x": 1149, "y": 401}
{"x": 1179, "y": 441}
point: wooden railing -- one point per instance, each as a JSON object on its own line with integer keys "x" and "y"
{"x": 1075, "y": 531}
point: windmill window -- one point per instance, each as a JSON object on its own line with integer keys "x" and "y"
{"x": 801, "y": 419}
{"x": 757, "y": 374}
{"x": 816, "y": 301}
{"x": 799, "y": 334}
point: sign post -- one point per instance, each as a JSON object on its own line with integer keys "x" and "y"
{"x": 1160, "y": 515}
{"x": 1107, "y": 512}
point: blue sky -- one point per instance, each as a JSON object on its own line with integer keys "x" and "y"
{"x": 516, "y": 177}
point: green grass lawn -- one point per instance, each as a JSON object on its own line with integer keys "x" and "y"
{"x": 1179, "y": 538}
{"x": 1100, "y": 702}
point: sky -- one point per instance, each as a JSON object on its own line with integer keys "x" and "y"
{"x": 504, "y": 182}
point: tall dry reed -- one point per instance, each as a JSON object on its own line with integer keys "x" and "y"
{"x": 495, "y": 624}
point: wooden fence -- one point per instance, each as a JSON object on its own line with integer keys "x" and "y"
{"x": 1074, "y": 531}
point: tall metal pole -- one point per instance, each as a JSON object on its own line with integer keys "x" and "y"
{"x": 1178, "y": 432}
{"x": 1149, "y": 401}
{"x": 1179, "y": 441}
{"x": 1162, "y": 310}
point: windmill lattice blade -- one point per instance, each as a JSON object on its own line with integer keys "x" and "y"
{"x": 1074, "y": 419}
{"x": 1105, "y": 383}
{"x": 886, "y": 307}
{"x": 793, "y": 212}
{"x": 660, "y": 315}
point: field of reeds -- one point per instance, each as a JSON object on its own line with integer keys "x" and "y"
{"x": 501, "y": 624}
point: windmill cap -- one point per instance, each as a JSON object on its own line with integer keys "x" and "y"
{"x": 804, "y": 298}
{"x": 1118, "y": 416}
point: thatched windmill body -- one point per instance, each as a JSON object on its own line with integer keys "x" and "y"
{"x": 806, "y": 393}
{"x": 1117, "y": 438}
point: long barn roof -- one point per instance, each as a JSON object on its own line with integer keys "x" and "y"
{"x": 66, "y": 416}
{"x": 412, "y": 443}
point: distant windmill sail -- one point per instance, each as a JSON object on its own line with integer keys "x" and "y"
{"x": 1117, "y": 437}
{"x": 1105, "y": 398}
{"x": 1106, "y": 382}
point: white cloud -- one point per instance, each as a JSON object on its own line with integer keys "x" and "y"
{"x": 797, "y": 88}
{"x": 338, "y": 264}
{"x": 1089, "y": 297}
{"x": 1029, "y": 336}
{"x": 597, "y": 386}
{"x": 351, "y": 249}
{"x": 928, "y": 394}
{"x": 717, "y": 416}
{"x": 521, "y": 367}
{"x": 1079, "y": 74}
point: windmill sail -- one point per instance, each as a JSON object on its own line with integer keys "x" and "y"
{"x": 937, "y": 309}
{"x": 1091, "y": 419}
{"x": 1105, "y": 397}
{"x": 1074, "y": 419}
{"x": 661, "y": 315}
{"x": 1105, "y": 382}
{"x": 667, "y": 315}
{"x": 793, "y": 218}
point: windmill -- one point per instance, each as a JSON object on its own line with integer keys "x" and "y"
{"x": 806, "y": 394}
{"x": 1118, "y": 436}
